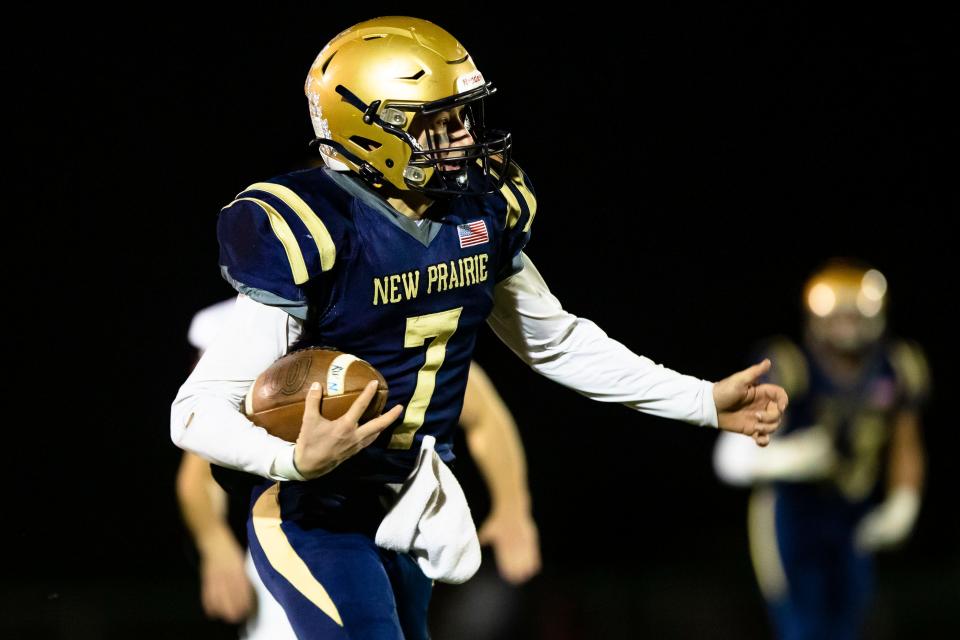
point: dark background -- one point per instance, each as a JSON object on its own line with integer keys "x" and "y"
{"x": 692, "y": 166}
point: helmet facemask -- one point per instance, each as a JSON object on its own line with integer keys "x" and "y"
{"x": 489, "y": 149}
{"x": 424, "y": 170}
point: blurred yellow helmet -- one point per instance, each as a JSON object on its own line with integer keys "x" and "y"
{"x": 846, "y": 305}
{"x": 369, "y": 83}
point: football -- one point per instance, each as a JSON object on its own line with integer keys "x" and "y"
{"x": 275, "y": 400}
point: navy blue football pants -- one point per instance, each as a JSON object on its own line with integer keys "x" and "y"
{"x": 827, "y": 583}
{"x": 314, "y": 551}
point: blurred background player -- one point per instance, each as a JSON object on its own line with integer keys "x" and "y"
{"x": 230, "y": 587}
{"x": 844, "y": 477}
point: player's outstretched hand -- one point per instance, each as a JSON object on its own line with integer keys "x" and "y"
{"x": 323, "y": 444}
{"x": 743, "y": 406}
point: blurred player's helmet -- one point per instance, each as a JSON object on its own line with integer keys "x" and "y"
{"x": 371, "y": 81}
{"x": 846, "y": 305}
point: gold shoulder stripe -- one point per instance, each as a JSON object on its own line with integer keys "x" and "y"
{"x": 298, "y": 267}
{"x": 283, "y": 557}
{"x": 513, "y": 205}
{"x": 527, "y": 196}
{"x": 911, "y": 366}
{"x": 790, "y": 366}
{"x": 514, "y": 211}
{"x": 328, "y": 252}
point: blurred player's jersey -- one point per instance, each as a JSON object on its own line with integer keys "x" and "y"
{"x": 858, "y": 415}
{"x": 802, "y": 533}
{"x": 369, "y": 281}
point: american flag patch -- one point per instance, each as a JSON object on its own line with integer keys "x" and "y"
{"x": 472, "y": 233}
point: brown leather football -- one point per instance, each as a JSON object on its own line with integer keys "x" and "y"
{"x": 275, "y": 400}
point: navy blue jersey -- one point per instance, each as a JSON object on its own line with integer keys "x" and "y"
{"x": 369, "y": 281}
{"x": 858, "y": 414}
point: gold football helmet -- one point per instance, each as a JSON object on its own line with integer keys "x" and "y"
{"x": 369, "y": 84}
{"x": 846, "y": 305}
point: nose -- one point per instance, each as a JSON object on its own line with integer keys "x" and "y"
{"x": 448, "y": 144}
{"x": 461, "y": 138}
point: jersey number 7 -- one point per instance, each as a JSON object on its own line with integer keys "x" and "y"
{"x": 440, "y": 326}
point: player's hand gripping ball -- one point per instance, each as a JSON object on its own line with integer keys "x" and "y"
{"x": 275, "y": 401}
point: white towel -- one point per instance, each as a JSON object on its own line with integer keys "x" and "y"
{"x": 431, "y": 521}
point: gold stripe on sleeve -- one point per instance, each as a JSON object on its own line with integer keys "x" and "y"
{"x": 528, "y": 198}
{"x": 328, "y": 252}
{"x": 513, "y": 205}
{"x": 289, "y": 241}
{"x": 911, "y": 366}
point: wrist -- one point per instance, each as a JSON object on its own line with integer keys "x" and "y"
{"x": 515, "y": 505}
{"x": 300, "y": 469}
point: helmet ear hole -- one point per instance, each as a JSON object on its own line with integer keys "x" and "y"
{"x": 323, "y": 68}
{"x": 365, "y": 143}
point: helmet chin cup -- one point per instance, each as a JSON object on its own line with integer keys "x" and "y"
{"x": 455, "y": 181}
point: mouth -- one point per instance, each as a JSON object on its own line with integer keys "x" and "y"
{"x": 456, "y": 165}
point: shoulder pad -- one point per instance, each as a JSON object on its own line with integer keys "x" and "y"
{"x": 271, "y": 243}
{"x": 521, "y": 207}
{"x": 297, "y": 225}
{"x": 790, "y": 369}
{"x": 912, "y": 370}
{"x": 520, "y": 197}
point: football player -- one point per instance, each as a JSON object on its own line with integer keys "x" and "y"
{"x": 230, "y": 588}
{"x": 820, "y": 507}
{"x": 397, "y": 252}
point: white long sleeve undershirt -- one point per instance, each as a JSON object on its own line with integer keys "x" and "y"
{"x": 576, "y": 353}
{"x": 206, "y": 415}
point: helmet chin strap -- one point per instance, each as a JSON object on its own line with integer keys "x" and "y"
{"x": 367, "y": 171}
{"x": 333, "y": 163}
